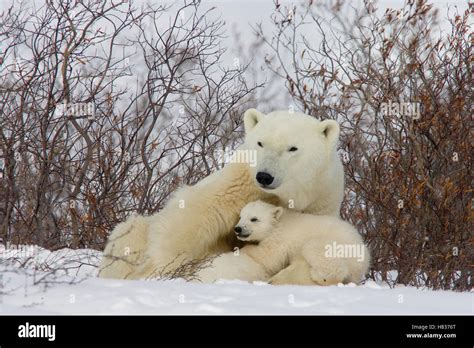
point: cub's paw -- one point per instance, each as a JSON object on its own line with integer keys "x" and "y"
{"x": 297, "y": 273}
{"x": 280, "y": 278}
{"x": 328, "y": 276}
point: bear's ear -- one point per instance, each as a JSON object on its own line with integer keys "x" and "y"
{"x": 330, "y": 130}
{"x": 277, "y": 213}
{"x": 251, "y": 118}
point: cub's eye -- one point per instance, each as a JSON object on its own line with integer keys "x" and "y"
{"x": 260, "y": 144}
{"x": 254, "y": 219}
{"x": 292, "y": 149}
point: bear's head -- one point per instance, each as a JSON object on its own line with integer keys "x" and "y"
{"x": 294, "y": 151}
{"x": 257, "y": 221}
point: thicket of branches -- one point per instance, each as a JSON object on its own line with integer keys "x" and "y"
{"x": 408, "y": 173}
{"x": 105, "y": 110}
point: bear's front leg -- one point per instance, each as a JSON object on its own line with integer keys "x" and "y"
{"x": 196, "y": 222}
{"x": 232, "y": 266}
{"x": 297, "y": 273}
{"x": 330, "y": 273}
{"x": 325, "y": 269}
{"x": 187, "y": 229}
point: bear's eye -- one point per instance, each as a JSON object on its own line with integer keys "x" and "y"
{"x": 254, "y": 219}
{"x": 292, "y": 149}
{"x": 260, "y": 144}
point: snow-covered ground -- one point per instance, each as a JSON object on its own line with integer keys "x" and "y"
{"x": 64, "y": 282}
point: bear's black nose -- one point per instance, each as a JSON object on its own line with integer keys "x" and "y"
{"x": 238, "y": 229}
{"x": 264, "y": 178}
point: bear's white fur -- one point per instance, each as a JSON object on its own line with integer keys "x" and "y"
{"x": 310, "y": 179}
{"x": 192, "y": 225}
{"x": 325, "y": 249}
{"x": 198, "y": 220}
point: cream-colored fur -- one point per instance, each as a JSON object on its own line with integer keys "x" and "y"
{"x": 125, "y": 248}
{"x": 194, "y": 223}
{"x": 293, "y": 248}
{"x": 311, "y": 179}
{"x": 233, "y": 265}
{"x": 197, "y": 221}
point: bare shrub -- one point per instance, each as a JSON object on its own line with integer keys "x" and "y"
{"x": 105, "y": 109}
{"x": 403, "y": 95}
{"x": 187, "y": 269}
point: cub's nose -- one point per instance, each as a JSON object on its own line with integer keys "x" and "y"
{"x": 238, "y": 229}
{"x": 264, "y": 178}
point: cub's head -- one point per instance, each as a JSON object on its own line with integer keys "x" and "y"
{"x": 257, "y": 220}
{"x": 291, "y": 149}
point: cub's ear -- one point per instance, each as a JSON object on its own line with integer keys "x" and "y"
{"x": 251, "y": 118}
{"x": 277, "y": 212}
{"x": 330, "y": 130}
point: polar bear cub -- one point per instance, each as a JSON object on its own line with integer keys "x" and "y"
{"x": 324, "y": 249}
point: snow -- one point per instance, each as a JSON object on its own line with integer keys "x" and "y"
{"x": 64, "y": 282}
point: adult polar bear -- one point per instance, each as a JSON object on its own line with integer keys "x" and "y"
{"x": 297, "y": 166}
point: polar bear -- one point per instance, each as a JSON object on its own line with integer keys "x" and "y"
{"x": 325, "y": 249}
{"x": 296, "y": 166}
